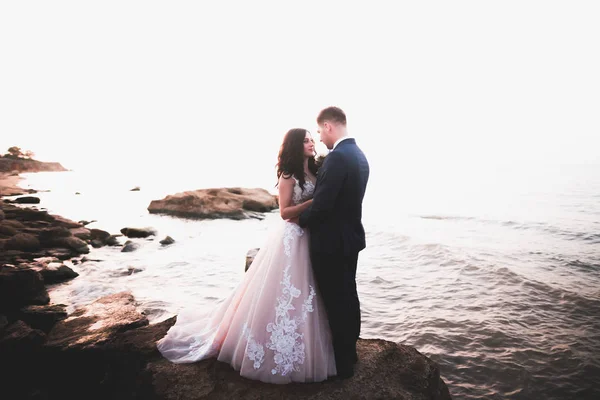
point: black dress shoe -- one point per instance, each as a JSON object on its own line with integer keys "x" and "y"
{"x": 345, "y": 373}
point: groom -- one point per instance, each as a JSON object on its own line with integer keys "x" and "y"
{"x": 337, "y": 234}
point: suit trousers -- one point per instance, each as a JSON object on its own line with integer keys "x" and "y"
{"x": 336, "y": 278}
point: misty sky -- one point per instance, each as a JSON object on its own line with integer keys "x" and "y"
{"x": 129, "y": 82}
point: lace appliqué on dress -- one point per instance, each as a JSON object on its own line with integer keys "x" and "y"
{"x": 299, "y": 195}
{"x": 285, "y": 341}
{"x": 254, "y": 350}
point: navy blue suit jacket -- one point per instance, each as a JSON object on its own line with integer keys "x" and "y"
{"x": 334, "y": 218}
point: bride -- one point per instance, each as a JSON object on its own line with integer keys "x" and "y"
{"x": 273, "y": 327}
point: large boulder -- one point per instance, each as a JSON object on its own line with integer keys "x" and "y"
{"x": 233, "y": 203}
{"x": 20, "y": 337}
{"x": 99, "y": 234}
{"x": 72, "y": 243}
{"x": 13, "y": 224}
{"x": 20, "y": 287}
{"x": 385, "y": 370}
{"x": 57, "y": 273}
{"x": 48, "y": 236}
{"x": 97, "y": 323}
{"x": 23, "y": 242}
{"x": 7, "y": 229}
{"x": 81, "y": 233}
{"x": 43, "y": 317}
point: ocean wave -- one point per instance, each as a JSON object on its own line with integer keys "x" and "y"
{"x": 564, "y": 233}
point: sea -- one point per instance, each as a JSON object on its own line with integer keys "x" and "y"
{"x": 494, "y": 273}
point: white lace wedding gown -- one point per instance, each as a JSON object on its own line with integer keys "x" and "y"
{"x": 273, "y": 327}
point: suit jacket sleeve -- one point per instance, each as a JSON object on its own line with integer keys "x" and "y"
{"x": 330, "y": 179}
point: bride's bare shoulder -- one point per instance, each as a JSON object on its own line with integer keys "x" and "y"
{"x": 287, "y": 180}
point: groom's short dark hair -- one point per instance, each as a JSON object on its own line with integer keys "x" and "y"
{"x": 332, "y": 114}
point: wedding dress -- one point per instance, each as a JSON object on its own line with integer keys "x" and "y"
{"x": 273, "y": 327}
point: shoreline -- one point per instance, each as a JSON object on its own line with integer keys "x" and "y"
{"x": 40, "y": 342}
{"x": 9, "y": 185}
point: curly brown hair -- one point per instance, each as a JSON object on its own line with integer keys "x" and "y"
{"x": 291, "y": 157}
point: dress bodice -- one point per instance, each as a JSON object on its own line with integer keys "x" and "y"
{"x": 300, "y": 196}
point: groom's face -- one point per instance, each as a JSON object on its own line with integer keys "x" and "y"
{"x": 324, "y": 132}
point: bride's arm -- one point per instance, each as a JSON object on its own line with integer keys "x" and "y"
{"x": 286, "y": 208}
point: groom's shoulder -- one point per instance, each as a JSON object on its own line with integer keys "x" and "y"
{"x": 335, "y": 156}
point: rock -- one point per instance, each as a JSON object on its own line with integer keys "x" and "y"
{"x": 85, "y": 259}
{"x": 97, "y": 323}
{"x": 138, "y": 232}
{"x": 135, "y": 189}
{"x": 20, "y": 336}
{"x": 99, "y": 234}
{"x": 49, "y": 236}
{"x": 130, "y": 271}
{"x": 21, "y": 287}
{"x": 72, "y": 243}
{"x": 81, "y": 233}
{"x": 134, "y": 270}
{"x": 250, "y": 257}
{"x": 113, "y": 241}
{"x": 13, "y": 224}
{"x": 33, "y": 229}
{"x": 84, "y": 222}
{"x": 58, "y": 274}
{"x": 130, "y": 246}
{"x": 43, "y": 317}
{"x": 43, "y": 262}
{"x": 97, "y": 243}
{"x": 65, "y": 222}
{"x": 28, "y": 214}
{"x": 60, "y": 253}
{"x": 23, "y": 242}
{"x": 386, "y": 370}
{"x": 12, "y": 256}
{"x": 27, "y": 200}
{"x": 166, "y": 241}
{"x": 108, "y": 350}
{"x": 233, "y": 203}
{"x": 7, "y": 230}
{"x": 1, "y": 215}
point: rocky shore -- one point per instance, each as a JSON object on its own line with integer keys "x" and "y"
{"x": 17, "y": 165}
{"x": 107, "y": 349}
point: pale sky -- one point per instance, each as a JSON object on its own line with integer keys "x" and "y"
{"x": 97, "y": 84}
